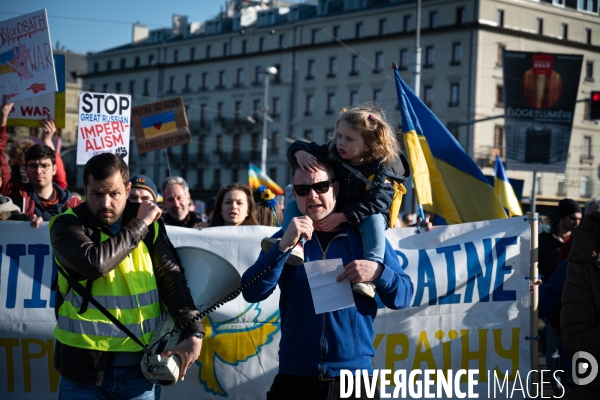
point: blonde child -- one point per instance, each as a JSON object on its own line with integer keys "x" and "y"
{"x": 366, "y": 157}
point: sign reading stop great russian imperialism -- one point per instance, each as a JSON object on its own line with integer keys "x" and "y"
{"x": 104, "y": 121}
{"x": 160, "y": 125}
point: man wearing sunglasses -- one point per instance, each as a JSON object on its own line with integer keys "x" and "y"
{"x": 314, "y": 348}
{"x": 40, "y": 198}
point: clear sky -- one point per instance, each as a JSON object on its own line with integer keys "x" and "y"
{"x": 84, "y": 25}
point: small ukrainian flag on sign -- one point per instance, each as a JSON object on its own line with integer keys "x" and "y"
{"x": 159, "y": 124}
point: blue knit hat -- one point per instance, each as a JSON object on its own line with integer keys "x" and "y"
{"x": 143, "y": 182}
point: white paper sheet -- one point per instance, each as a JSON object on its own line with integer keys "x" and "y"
{"x": 327, "y": 294}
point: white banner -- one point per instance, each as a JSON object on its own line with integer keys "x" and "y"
{"x": 470, "y": 311}
{"x": 104, "y": 124}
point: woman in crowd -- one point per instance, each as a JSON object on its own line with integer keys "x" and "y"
{"x": 268, "y": 211}
{"x": 234, "y": 206}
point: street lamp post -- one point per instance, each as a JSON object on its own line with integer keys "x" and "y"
{"x": 263, "y": 155}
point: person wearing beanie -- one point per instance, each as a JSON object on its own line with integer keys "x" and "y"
{"x": 142, "y": 188}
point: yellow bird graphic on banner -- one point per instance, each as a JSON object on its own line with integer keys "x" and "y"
{"x": 232, "y": 346}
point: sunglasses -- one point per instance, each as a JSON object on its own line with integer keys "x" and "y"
{"x": 319, "y": 187}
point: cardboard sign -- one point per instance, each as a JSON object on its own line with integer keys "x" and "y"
{"x": 26, "y": 62}
{"x": 103, "y": 125}
{"x": 51, "y": 106}
{"x": 160, "y": 125}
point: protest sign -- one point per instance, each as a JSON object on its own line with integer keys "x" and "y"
{"x": 540, "y": 91}
{"x": 50, "y": 106}
{"x": 26, "y": 62}
{"x": 470, "y": 310}
{"x": 103, "y": 125}
{"x": 160, "y": 125}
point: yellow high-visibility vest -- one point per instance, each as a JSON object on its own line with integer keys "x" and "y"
{"x": 129, "y": 292}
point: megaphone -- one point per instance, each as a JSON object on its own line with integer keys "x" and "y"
{"x": 210, "y": 278}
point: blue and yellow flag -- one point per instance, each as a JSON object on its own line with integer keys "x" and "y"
{"x": 505, "y": 191}
{"x": 256, "y": 178}
{"x": 447, "y": 181}
{"x": 159, "y": 124}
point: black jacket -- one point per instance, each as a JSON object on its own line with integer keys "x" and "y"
{"x": 358, "y": 203}
{"x": 76, "y": 245}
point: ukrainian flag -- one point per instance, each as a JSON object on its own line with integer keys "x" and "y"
{"x": 256, "y": 178}
{"x": 447, "y": 181}
{"x": 505, "y": 191}
{"x": 159, "y": 124}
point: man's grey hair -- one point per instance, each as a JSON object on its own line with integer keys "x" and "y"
{"x": 590, "y": 205}
{"x": 175, "y": 180}
{"x": 326, "y": 164}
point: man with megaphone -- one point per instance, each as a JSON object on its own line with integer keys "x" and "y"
{"x": 316, "y": 346}
{"x": 117, "y": 268}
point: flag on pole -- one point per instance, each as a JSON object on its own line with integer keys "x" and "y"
{"x": 256, "y": 178}
{"x": 505, "y": 191}
{"x": 447, "y": 181}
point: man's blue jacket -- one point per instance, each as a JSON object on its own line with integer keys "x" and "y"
{"x": 321, "y": 345}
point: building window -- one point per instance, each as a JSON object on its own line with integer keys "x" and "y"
{"x": 460, "y": 15}
{"x": 272, "y": 174}
{"x": 584, "y": 188}
{"x": 188, "y": 78}
{"x": 131, "y": 87}
{"x": 96, "y": 66}
{"x": 499, "y": 140}
{"x": 122, "y": 63}
{"x": 118, "y": 87}
{"x": 355, "y": 65}
{"x": 315, "y": 36}
{"x": 499, "y": 54}
{"x": 408, "y": 23}
{"x": 336, "y": 32}
{"x": 92, "y": 87}
{"x": 330, "y": 103}
{"x": 274, "y": 144}
{"x": 500, "y": 17}
{"x": 104, "y": 87}
{"x": 499, "y": 96}
{"x": 308, "y": 134}
{"x": 217, "y": 178}
{"x": 204, "y": 80}
{"x": 539, "y": 25}
{"x": 586, "y": 5}
{"x": 203, "y": 115}
{"x": 560, "y": 188}
{"x": 151, "y": 59}
{"x": 276, "y": 112}
{"x": 379, "y": 61}
{"x": 208, "y": 51}
{"x": 403, "y": 60}
{"x": 586, "y": 152}
{"x": 359, "y": 30}
{"x": 282, "y": 41}
{"x": 454, "y": 95}
{"x": 171, "y": 84}
{"x": 146, "y": 87}
{"x": 235, "y": 174}
{"x": 258, "y": 75}
{"x": 175, "y": 56}
{"x": 225, "y": 49}
{"x": 239, "y": 77}
{"x": 558, "y": 2}
{"x": 220, "y": 110}
{"x": 261, "y": 44}
{"x": 311, "y": 69}
{"x": 587, "y": 35}
{"x": 244, "y": 46}
{"x": 456, "y": 54}
{"x": 433, "y": 19}
{"x": 428, "y": 95}
{"x": 353, "y": 98}
{"x": 109, "y": 65}
{"x": 219, "y": 144}
{"x": 378, "y": 96}
{"x": 221, "y": 79}
{"x": 589, "y": 70}
{"x": 310, "y": 105}
{"x": 192, "y": 53}
{"x": 383, "y": 27}
{"x": 564, "y": 29}
{"x": 332, "y": 67}
{"x": 429, "y": 57}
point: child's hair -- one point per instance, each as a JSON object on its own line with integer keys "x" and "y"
{"x": 369, "y": 119}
